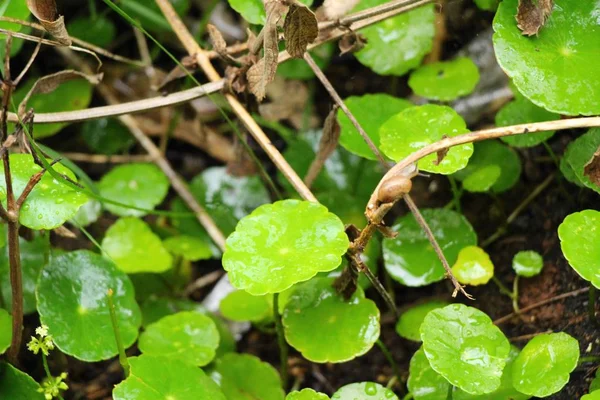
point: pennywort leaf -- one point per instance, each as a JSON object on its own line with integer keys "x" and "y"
{"x": 364, "y": 391}
{"x": 579, "y": 237}
{"x": 473, "y": 266}
{"x": 409, "y": 323}
{"x": 445, "y": 80}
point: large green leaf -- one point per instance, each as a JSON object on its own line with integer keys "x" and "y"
{"x": 579, "y": 237}
{"x": 281, "y": 244}
{"x": 240, "y": 305}
{"x": 409, "y": 323}
{"x": 556, "y": 69}
{"x": 51, "y": 203}
{"x": 13, "y": 9}
{"x": 99, "y": 31}
{"x": 72, "y": 295}
{"x": 364, "y": 391}
{"x": 398, "y": 44}
{"x": 578, "y": 154}
{"x": 409, "y": 257}
{"x": 161, "y": 378}
{"x": 5, "y": 330}
{"x": 306, "y": 394}
{"x": 423, "y": 382}
{"x": 17, "y": 385}
{"x": 347, "y": 329}
{"x": 465, "y": 347}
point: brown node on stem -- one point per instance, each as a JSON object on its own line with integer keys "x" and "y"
{"x": 394, "y": 188}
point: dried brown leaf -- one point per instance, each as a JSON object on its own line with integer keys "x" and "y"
{"x": 300, "y": 29}
{"x": 592, "y": 168}
{"x": 49, "y": 83}
{"x": 46, "y": 12}
{"x": 327, "y": 145}
{"x": 352, "y": 42}
{"x": 263, "y": 72}
{"x": 532, "y": 15}
{"x": 189, "y": 63}
{"x": 334, "y": 9}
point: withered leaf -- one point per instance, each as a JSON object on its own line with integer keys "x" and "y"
{"x": 263, "y": 72}
{"x": 334, "y": 9}
{"x": 352, "y": 42}
{"x": 327, "y": 145}
{"x": 441, "y": 154}
{"x": 532, "y": 15}
{"x": 188, "y": 65}
{"x": 300, "y": 29}
{"x": 220, "y": 45}
{"x": 46, "y": 12}
{"x": 49, "y": 83}
{"x": 592, "y": 168}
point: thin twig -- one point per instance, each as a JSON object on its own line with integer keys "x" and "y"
{"x": 203, "y": 281}
{"x": 106, "y": 159}
{"x": 29, "y": 64}
{"x": 524, "y": 338}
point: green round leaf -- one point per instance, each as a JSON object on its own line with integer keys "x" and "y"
{"x": 544, "y": 365}
{"x": 523, "y": 111}
{"x": 17, "y": 385}
{"x": 5, "y": 330}
{"x": 160, "y": 378}
{"x": 445, "y": 80}
{"x": 578, "y": 154}
{"x": 409, "y": 257}
{"x": 99, "y": 31}
{"x": 473, "y": 266}
{"x": 187, "y": 336}
{"x": 253, "y": 11}
{"x": 240, "y": 305}
{"x": 132, "y": 245}
{"x": 69, "y": 96}
{"x": 465, "y": 347}
{"x": 409, "y": 323}
{"x": 506, "y": 389}
{"x": 556, "y": 68}
{"x": 364, "y": 391}
{"x": 371, "y": 111}
{"x": 410, "y": 35}
{"x": 306, "y": 394}
{"x": 189, "y": 247}
{"x": 281, "y": 244}
{"x": 347, "y": 329}
{"x": 34, "y": 255}
{"x": 580, "y": 243}
{"x": 423, "y": 382}
{"x": 482, "y": 179}
{"x": 51, "y": 203}
{"x": 78, "y": 318}
{"x": 88, "y": 213}
{"x": 139, "y": 185}
{"x": 528, "y": 263}
{"x": 592, "y": 396}
{"x": 106, "y": 136}
{"x": 492, "y": 152}
{"x": 238, "y": 375}
{"x": 419, "y": 126}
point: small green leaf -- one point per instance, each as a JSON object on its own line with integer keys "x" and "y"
{"x": 423, "y": 382}
{"x": 51, "y": 203}
{"x": 160, "y": 378}
{"x": 482, "y": 179}
{"x": 364, "y": 391}
{"x": 306, "y": 394}
{"x": 473, "y": 266}
{"x": 34, "y": 255}
{"x": 240, "y": 305}
{"x": 492, "y": 152}
{"x": 523, "y": 111}
{"x": 465, "y": 347}
{"x": 409, "y": 257}
{"x": 132, "y": 245}
{"x": 487, "y": 5}
{"x": 253, "y": 11}
{"x": 99, "y": 31}
{"x": 544, "y": 365}
{"x": 347, "y": 329}
{"x": 139, "y": 185}
{"x": 556, "y": 68}
{"x": 419, "y": 126}
{"x": 506, "y": 389}
{"x": 410, "y": 35}
{"x": 578, "y": 154}
{"x": 371, "y": 111}
{"x": 78, "y": 318}
{"x": 187, "y": 336}
{"x": 69, "y": 96}
{"x": 592, "y": 396}
{"x": 17, "y": 385}
{"x": 580, "y": 243}
{"x": 281, "y": 244}
{"x": 409, "y": 323}
{"x": 595, "y": 385}
{"x": 106, "y": 136}
{"x": 238, "y": 375}
{"x": 189, "y": 247}
{"x": 528, "y": 263}
{"x": 149, "y": 15}
{"x": 445, "y": 80}
{"x": 5, "y": 330}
